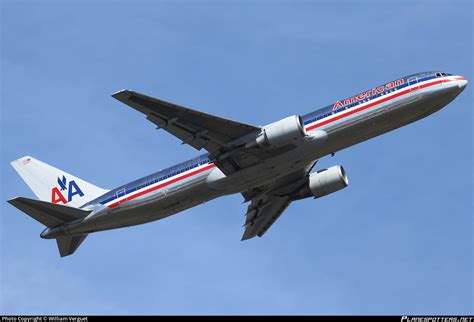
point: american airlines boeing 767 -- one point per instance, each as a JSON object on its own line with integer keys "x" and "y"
{"x": 271, "y": 166}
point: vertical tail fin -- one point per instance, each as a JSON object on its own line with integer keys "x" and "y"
{"x": 54, "y": 185}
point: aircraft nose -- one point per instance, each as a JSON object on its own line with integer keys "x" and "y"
{"x": 462, "y": 82}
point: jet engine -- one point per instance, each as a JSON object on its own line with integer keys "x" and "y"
{"x": 323, "y": 182}
{"x": 279, "y": 133}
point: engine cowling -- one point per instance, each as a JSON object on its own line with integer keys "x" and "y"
{"x": 280, "y": 133}
{"x": 323, "y": 182}
{"x": 328, "y": 181}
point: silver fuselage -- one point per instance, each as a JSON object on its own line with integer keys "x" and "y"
{"x": 166, "y": 194}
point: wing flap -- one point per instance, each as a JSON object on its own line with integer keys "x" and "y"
{"x": 259, "y": 220}
{"x": 224, "y": 139}
{"x": 198, "y": 129}
{"x": 269, "y": 201}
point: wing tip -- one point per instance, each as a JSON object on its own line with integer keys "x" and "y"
{"x": 247, "y": 236}
{"x": 120, "y": 93}
{"x": 13, "y": 201}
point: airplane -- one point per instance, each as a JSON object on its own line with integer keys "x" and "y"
{"x": 271, "y": 166}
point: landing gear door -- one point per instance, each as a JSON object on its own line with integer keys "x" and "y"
{"x": 413, "y": 81}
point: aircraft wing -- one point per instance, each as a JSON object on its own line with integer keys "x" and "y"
{"x": 260, "y": 217}
{"x": 198, "y": 129}
{"x": 268, "y": 202}
{"x": 219, "y": 136}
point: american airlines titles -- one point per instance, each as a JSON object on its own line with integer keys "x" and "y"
{"x": 368, "y": 94}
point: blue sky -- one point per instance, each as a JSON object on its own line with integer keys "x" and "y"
{"x": 397, "y": 241}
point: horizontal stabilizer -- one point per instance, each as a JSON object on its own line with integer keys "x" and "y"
{"x": 49, "y": 214}
{"x": 68, "y": 244}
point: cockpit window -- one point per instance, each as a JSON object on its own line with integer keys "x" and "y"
{"x": 439, "y": 74}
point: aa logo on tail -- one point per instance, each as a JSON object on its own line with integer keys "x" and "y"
{"x": 70, "y": 189}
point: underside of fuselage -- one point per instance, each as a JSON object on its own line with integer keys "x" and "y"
{"x": 342, "y": 135}
{"x": 388, "y": 118}
{"x": 270, "y": 166}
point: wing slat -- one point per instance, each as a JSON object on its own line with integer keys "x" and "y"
{"x": 197, "y": 129}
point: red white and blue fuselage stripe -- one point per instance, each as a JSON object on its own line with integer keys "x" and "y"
{"x": 320, "y": 119}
